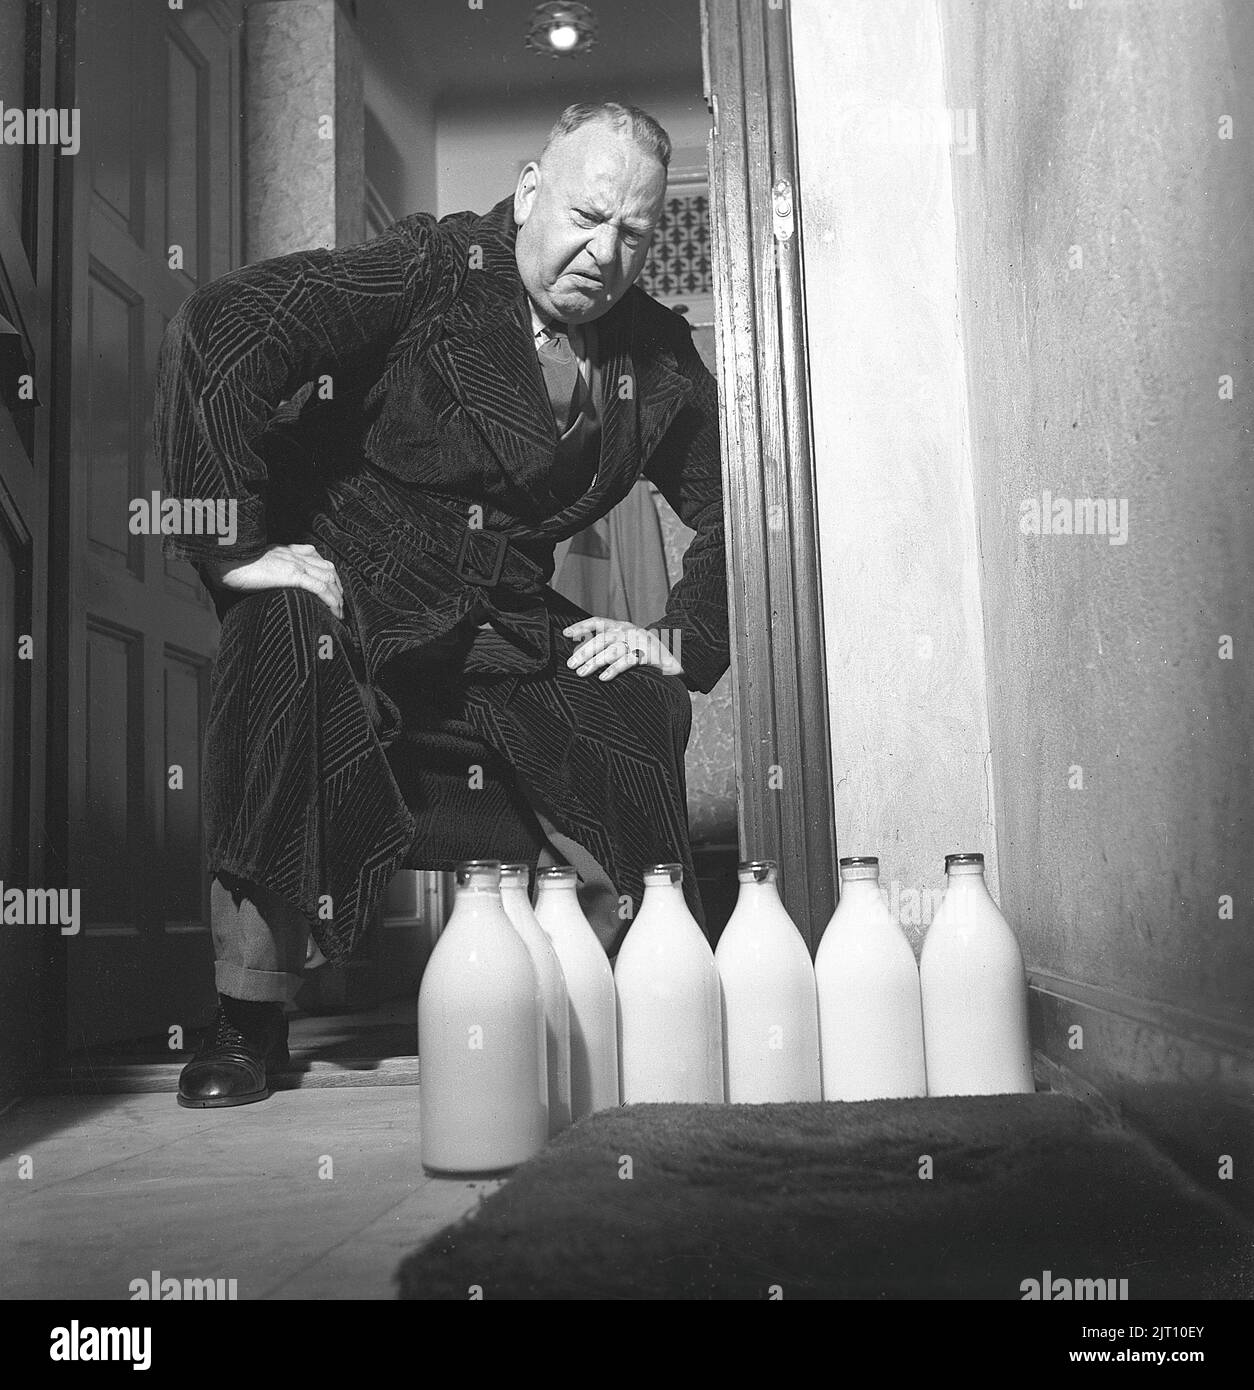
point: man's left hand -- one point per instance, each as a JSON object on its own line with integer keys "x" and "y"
{"x": 610, "y": 647}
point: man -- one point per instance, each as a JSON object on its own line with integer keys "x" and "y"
{"x": 407, "y": 428}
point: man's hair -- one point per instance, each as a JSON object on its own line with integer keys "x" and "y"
{"x": 645, "y": 131}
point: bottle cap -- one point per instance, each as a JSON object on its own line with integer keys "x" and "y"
{"x": 479, "y": 873}
{"x": 859, "y": 866}
{"x": 516, "y": 875}
{"x": 757, "y": 871}
{"x": 860, "y": 861}
{"x": 557, "y": 874}
{"x": 966, "y": 858}
{"x": 657, "y": 875}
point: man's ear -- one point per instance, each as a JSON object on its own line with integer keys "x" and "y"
{"x": 525, "y": 193}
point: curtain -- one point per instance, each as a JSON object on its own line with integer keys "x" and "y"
{"x": 616, "y": 568}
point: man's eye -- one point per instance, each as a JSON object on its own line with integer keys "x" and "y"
{"x": 585, "y": 219}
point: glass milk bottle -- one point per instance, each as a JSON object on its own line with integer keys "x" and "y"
{"x": 589, "y": 987}
{"x": 670, "y": 1029}
{"x": 482, "y": 1094}
{"x": 870, "y": 1020}
{"x": 770, "y": 1012}
{"x": 975, "y": 1004}
{"x": 515, "y": 881}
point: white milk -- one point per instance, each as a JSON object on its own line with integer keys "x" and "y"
{"x": 870, "y": 1019}
{"x": 590, "y": 988}
{"x": 975, "y": 999}
{"x": 670, "y": 1031}
{"x": 770, "y": 1012}
{"x": 482, "y": 1095}
{"x": 515, "y": 880}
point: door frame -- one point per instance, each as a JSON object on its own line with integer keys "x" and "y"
{"x": 777, "y": 641}
{"x": 779, "y": 663}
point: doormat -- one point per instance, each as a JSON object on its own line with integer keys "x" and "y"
{"x": 962, "y": 1197}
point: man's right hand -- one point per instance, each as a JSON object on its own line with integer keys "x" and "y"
{"x": 286, "y": 567}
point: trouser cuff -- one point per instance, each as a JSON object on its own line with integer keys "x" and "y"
{"x": 255, "y": 985}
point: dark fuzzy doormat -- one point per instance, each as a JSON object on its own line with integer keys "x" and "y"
{"x": 834, "y": 1201}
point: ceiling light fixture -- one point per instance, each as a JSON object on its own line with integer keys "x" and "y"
{"x": 561, "y": 29}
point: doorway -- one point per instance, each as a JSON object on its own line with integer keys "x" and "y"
{"x": 449, "y": 110}
{"x": 452, "y": 105}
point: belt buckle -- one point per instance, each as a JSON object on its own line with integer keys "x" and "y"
{"x": 488, "y": 581}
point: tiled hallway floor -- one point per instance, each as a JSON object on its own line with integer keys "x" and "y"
{"x": 315, "y": 1193}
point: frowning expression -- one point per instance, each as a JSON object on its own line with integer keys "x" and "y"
{"x": 586, "y": 215}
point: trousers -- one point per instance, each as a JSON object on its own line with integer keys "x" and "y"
{"x": 259, "y": 941}
{"x": 274, "y": 748}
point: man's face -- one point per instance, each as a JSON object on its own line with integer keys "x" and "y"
{"x": 585, "y": 220}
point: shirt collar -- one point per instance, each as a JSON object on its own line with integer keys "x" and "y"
{"x": 583, "y": 337}
{"x": 539, "y": 323}
{"x": 541, "y": 327}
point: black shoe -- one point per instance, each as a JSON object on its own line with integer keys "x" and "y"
{"x": 247, "y": 1041}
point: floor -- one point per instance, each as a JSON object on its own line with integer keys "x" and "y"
{"x": 317, "y": 1192}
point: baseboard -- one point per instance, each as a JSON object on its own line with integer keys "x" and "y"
{"x": 1183, "y": 1080}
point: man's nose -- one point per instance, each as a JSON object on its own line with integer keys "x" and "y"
{"x": 603, "y": 248}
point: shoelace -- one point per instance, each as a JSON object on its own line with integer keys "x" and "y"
{"x": 226, "y": 1034}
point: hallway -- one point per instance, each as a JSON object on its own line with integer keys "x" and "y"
{"x": 975, "y": 286}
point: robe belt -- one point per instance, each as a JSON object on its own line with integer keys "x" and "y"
{"x": 478, "y": 556}
{"x": 402, "y": 532}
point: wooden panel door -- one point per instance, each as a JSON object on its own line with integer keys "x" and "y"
{"x": 32, "y": 75}
{"x": 156, "y": 213}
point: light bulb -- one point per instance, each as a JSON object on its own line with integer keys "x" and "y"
{"x": 564, "y": 37}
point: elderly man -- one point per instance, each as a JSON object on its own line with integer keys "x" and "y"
{"x": 407, "y": 427}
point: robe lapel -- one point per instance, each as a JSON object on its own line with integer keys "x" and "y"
{"x": 668, "y": 390}
{"x": 486, "y": 356}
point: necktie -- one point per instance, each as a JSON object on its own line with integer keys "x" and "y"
{"x": 561, "y": 373}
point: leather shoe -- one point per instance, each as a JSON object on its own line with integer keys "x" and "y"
{"x": 247, "y": 1041}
